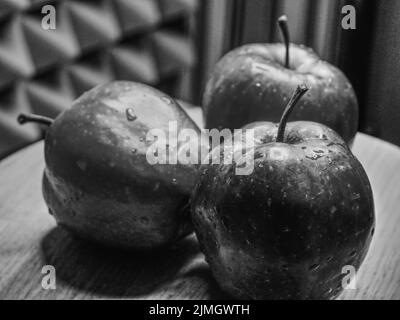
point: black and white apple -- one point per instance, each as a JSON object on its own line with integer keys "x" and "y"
{"x": 255, "y": 81}
{"x": 287, "y": 230}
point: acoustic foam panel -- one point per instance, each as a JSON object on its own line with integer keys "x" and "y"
{"x": 95, "y": 42}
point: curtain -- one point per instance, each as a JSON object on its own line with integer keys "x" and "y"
{"x": 367, "y": 55}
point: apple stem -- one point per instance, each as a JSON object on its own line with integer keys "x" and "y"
{"x": 283, "y": 25}
{"x": 300, "y": 91}
{"x": 24, "y": 118}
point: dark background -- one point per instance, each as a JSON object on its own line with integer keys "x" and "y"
{"x": 174, "y": 44}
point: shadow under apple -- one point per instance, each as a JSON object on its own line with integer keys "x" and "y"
{"x": 115, "y": 273}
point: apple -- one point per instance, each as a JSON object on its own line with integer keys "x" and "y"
{"x": 98, "y": 182}
{"x": 287, "y": 230}
{"x": 253, "y": 83}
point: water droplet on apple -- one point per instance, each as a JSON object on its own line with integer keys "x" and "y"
{"x": 314, "y": 157}
{"x": 258, "y": 85}
{"x": 130, "y": 114}
{"x": 224, "y": 222}
{"x": 166, "y": 100}
{"x": 329, "y": 291}
{"x": 241, "y": 165}
{"x": 355, "y": 196}
{"x": 353, "y": 253}
{"x": 314, "y": 267}
{"x": 156, "y": 186}
{"x": 174, "y": 180}
{"x": 81, "y": 164}
{"x": 133, "y": 150}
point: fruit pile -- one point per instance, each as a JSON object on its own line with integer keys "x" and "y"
{"x": 285, "y": 230}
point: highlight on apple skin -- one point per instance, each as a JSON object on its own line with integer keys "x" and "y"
{"x": 98, "y": 183}
{"x": 254, "y": 82}
{"x": 287, "y": 230}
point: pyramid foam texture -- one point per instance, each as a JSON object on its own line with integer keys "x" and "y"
{"x": 95, "y": 41}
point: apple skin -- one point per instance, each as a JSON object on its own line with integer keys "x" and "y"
{"x": 98, "y": 183}
{"x": 286, "y": 230}
{"x": 251, "y": 84}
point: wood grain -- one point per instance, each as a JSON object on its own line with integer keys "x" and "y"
{"x": 29, "y": 239}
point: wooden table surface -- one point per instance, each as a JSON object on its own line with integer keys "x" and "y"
{"x": 29, "y": 239}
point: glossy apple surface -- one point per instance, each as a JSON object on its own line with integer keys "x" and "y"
{"x": 98, "y": 182}
{"x": 251, "y": 83}
{"x": 287, "y": 230}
